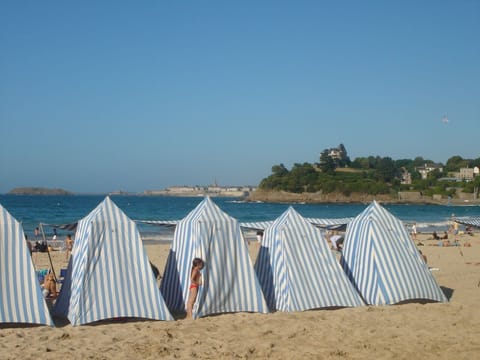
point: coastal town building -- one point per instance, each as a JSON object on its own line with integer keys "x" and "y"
{"x": 211, "y": 190}
{"x": 405, "y": 177}
{"x": 424, "y": 170}
{"x": 466, "y": 174}
{"x": 337, "y": 153}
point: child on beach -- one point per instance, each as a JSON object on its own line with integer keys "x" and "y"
{"x": 49, "y": 286}
{"x": 69, "y": 246}
{"x": 414, "y": 231}
{"x": 195, "y": 282}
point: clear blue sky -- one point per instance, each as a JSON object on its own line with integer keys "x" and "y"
{"x": 103, "y": 95}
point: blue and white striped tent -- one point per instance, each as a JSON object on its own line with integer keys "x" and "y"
{"x": 469, "y": 220}
{"x": 298, "y": 271}
{"x": 109, "y": 274}
{"x": 383, "y": 262}
{"x": 21, "y": 299}
{"x": 229, "y": 281}
{"x": 318, "y": 222}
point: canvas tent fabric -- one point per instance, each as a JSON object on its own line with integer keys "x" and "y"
{"x": 166, "y": 223}
{"x": 318, "y": 222}
{"x": 21, "y": 299}
{"x": 229, "y": 281}
{"x": 109, "y": 274}
{"x": 469, "y": 220}
{"x": 383, "y": 262}
{"x": 66, "y": 227}
{"x": 329, "y": 223}
{"x": 298, "y": 271}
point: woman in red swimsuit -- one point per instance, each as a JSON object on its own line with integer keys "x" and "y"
{"x": 195, "y": 282}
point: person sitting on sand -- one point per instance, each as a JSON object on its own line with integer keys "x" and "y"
{"x": 337, "y": 241}
{"x": 445, "y": 235}
{"x": 49, "y": 286}
{"x": 469, "y": 230}
{"x": 454, "y": 229}
{"x": 259, "y": 236}
{"x": 435, "y": 236}
{"x": 195, "y": 282}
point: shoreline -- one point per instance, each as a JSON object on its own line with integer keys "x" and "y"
{"x": 335, "y": 198}
{"x": 286, "y": 197}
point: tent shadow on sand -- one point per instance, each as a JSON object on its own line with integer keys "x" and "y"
{"x": 61, "y": 322}
{"x": 19, "y": 325}
{"x": 171, "y": 287}
{"x": 448, "y": 292}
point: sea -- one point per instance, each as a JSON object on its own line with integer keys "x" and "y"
{"x": 32, "y": 211}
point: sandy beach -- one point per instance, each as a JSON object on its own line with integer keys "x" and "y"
{"x": 408, "y": 331}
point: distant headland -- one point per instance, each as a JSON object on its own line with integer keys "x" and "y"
{"x": 211, "y": 190}
{"x": 38, "y": 191}
{"x": 408, "y": 197}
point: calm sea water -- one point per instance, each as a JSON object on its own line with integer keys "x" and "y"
{"x": 33, "y": 210}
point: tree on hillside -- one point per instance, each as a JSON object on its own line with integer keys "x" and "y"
{"x": 405, "y": 163}
{"x": 277, "y": 180}
{"x": 344, "y": 159}
{"x": 306, "y": 176}
{"x": 279, "y": 170}
{"x": 375, "y": 175}
{"x": 476, "y": 162}
{"x": 435, "y": 174}
{"x": 420, "y": 161}
{"x": 327, "y": 165}
{"x": 455, "y": 163}
{"x": 360, "y": 163}
{"x": 385, "y": 169}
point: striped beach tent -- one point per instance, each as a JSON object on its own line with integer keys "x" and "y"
{"x": 229, "y": 281}
{"x": 318, "y": 222}
{"x": 21, "y": 299}
{"x": 383, "y": 262}
{"x": 469, "y": 220}
{"x": 298, "y": 271}
{"x": 109, "y": 275}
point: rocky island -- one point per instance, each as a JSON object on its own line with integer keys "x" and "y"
{"x": 38, "y": 191}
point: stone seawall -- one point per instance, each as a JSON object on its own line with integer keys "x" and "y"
{"x": 417, "y": 198}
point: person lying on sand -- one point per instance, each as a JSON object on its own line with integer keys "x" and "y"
{"x": 446, "y": 243}
{"x": 469, "y": 230}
